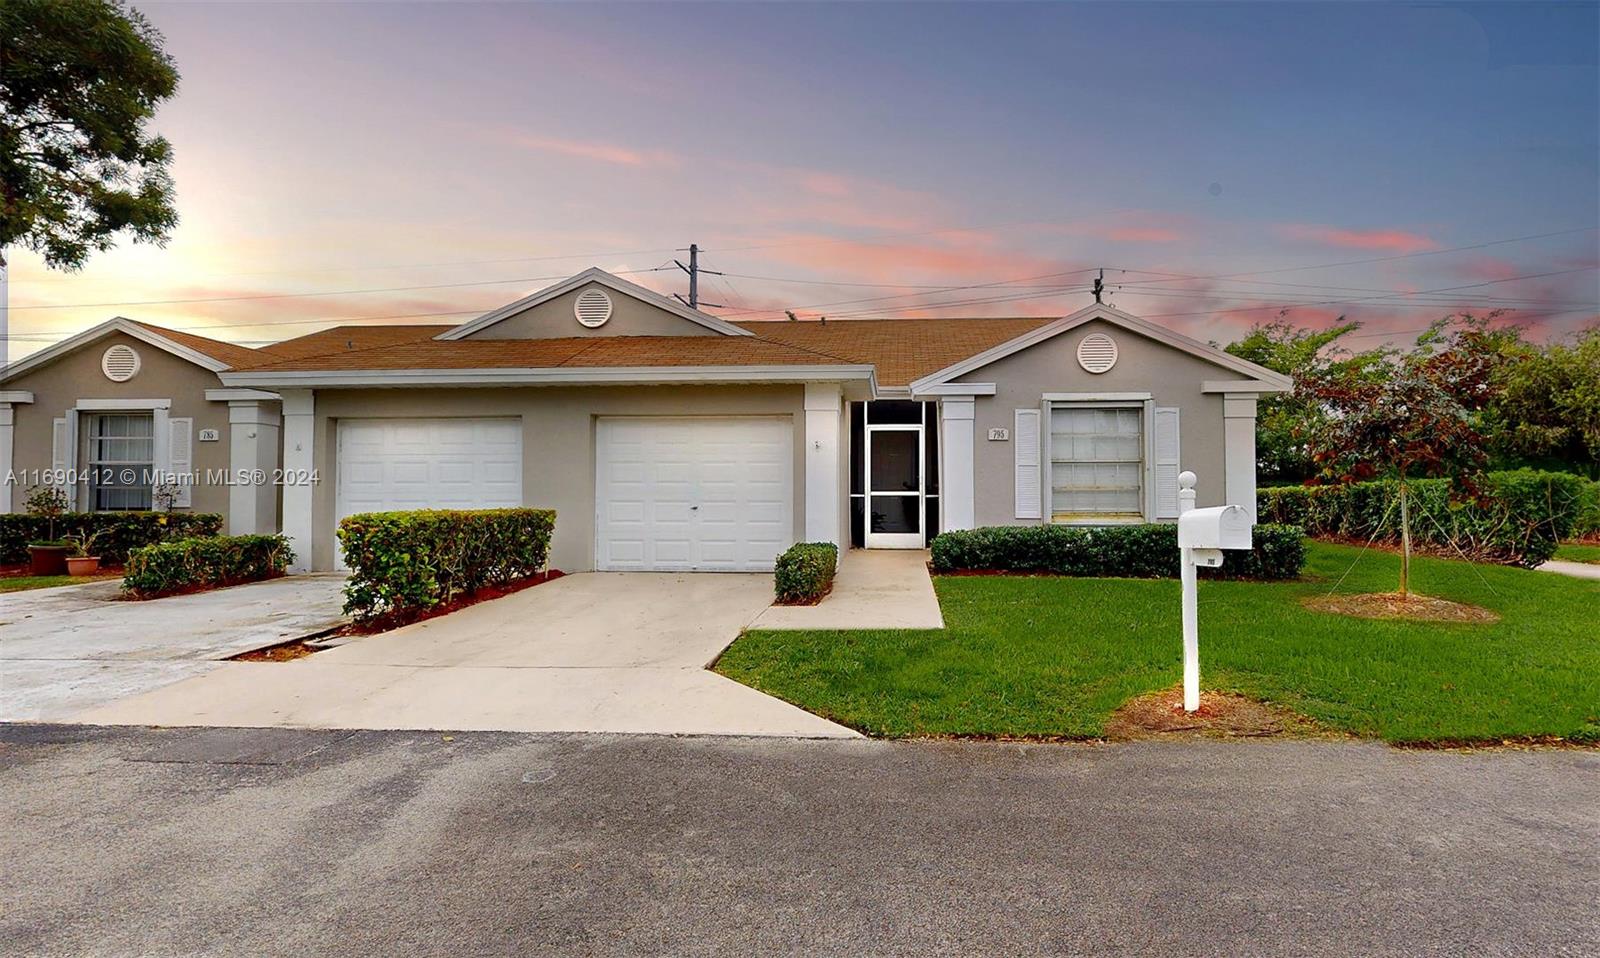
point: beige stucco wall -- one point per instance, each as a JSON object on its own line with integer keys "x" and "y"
{"x": 1171, "y": 376}
{"x": 558, "y": 442}
{"x": 629, "y": 317}
{"x": 59, "y": 385}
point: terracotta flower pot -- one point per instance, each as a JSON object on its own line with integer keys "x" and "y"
{"x": 83, "y": 565}
{"x": 48, "y": 559}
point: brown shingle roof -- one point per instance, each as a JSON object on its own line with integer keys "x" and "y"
{"x": 233, "y": 354}
{"x": 901, "y": 349}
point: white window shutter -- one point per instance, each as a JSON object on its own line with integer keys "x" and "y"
{"x": 1167, "y": 468}
{"x": 180, "y": 459}
{"x": 60, "y": 458}
{"x": 1025, "y": 445}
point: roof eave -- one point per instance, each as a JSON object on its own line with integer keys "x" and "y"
{"x": 860, "y": 380}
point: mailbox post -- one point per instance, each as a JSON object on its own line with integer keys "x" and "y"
{"x": 1202, "y": 535}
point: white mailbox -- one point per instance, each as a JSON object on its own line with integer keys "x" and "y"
{"x": 1218, "y": 527}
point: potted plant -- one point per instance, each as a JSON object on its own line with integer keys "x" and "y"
{"x": 48, "y": 557}
{"x": 81, "y": 561}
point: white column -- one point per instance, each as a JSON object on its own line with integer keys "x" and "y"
{"x": 299, "y": 459}
{"x": 955, "y": 459}
{"x": 824, "y": 404}
{"x": 8, "y": 421}
{"x": 252, "y": 458}
{"x": 1239, "y": 451}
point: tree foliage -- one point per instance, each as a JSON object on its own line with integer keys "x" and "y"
{"x": 79, "y": 80}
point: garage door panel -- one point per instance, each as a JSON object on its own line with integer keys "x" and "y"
{"x": 393, "y": 464}
{"x": 711, "y": 493}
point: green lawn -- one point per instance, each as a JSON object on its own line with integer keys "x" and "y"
{"x": 22, "y": 583}
{"x": 1055, "y": 656}
{"x": 1577, "y": 552}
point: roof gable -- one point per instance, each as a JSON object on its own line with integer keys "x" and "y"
{"x": 1270, "y": 381}
{"x": 596, "y": 276}
{"x": 210, "y": 354}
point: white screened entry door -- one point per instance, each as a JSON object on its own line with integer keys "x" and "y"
{"x": 388, "y": 464}
{"x": 706, "y": 494}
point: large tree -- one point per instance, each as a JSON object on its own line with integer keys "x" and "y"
{"x": 79, "y": 81}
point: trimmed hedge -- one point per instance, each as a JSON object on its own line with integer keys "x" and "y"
{"x": 1587, "y": 523}
{"x": 116, "y": 533}
{"x": 1517, "y": 518}
{"x": 168, "y": 567}
{"x": 1147, "y": 551}
{"x": 804, "y": 572}
{"x": 404, "y": 563}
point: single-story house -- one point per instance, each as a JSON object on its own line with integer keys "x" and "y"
{"x": 667, "y": 438}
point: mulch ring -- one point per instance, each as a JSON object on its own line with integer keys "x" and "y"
{"x": 1393, "y": 605}
{"x": 283, "y": 652}
{"x": 1160, "y": 715}
{"x": 389, "y": 623}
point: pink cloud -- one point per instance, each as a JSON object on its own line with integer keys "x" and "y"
{"x": 1143, "y": 234}
{"x": 1386, "y": 240}
{"x": 599, "y": 152}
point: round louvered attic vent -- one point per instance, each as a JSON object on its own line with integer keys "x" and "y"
{"x": 593, "y": 307}
{"x": 120, "y": 363}
{"x": 1097, "y": 353}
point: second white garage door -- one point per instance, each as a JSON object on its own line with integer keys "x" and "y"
{"x": 701, "y": 494}
{"x": 386, "y": 464}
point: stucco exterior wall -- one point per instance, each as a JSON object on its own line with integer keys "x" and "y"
{"x": 556, "y": 320}
{"x": 558, "y": 442}
{"x": 1171, "y": 376}
{"x": 59, "y": 385}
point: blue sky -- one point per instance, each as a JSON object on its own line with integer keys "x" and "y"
{"x": 371, "y": 146}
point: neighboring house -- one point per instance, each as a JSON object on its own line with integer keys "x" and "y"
{"x": 109, "y": 414}
{"x": 670, "y": 439}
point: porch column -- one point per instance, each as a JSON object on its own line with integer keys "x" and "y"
{"x": 299, "y": 459}
{"x": 252, "y": 459}
{"x": 824, "y": 410}
{"x": 955, "y": 462}
{"x": 1239, "y": 450}
{"x": 7, "y": 430}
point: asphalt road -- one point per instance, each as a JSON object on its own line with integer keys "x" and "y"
{"x": 282, "y": 842}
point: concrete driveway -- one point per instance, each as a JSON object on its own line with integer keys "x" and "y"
{"x": 66, "y": 650}
{"x": 595, "y": 652}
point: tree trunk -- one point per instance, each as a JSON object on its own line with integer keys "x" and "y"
{"x": 1405, "y": 541}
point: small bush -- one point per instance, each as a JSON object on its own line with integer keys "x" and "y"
{"x": 1517, "y": 518}
{"x": 115, "y": 534}
{"x": 804, "y": 572}
{"x": 404, "y": 563}
{"x": 168, "y": 567}
{"x": 1139, "y": 551}
{"x": 1586, "y": 525}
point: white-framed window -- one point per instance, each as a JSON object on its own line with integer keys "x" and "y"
{"x": 121, "y": 460}
{"x": 1096, "y": 462}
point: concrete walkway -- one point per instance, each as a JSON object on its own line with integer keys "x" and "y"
{"x": 595, "y": 652}
{"x": 68, "y": 649}
{"x": 873, "y": 589}
{"x": 1581, "y": 570}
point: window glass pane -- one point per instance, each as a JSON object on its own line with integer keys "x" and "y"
{"x": 1097, "y": 462}
{"x": 121, "y": 461}
{"x": 895, "y": 513}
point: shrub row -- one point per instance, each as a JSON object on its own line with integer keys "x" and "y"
{"x": 116, "y": 533}
{"x": 403, "y": 563}
{"x": 1139, "y": 551}
{"x": 804, "y": 572}
{"x": 168, "y": 567}
{"x": 1516, "y": 518}
{"x": 1587, "y": 523}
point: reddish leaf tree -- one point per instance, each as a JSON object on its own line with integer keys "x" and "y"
{"x": 1409, "y": 423}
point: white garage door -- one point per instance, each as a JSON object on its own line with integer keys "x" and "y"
{"x": 704, "y": 494}
{"x": 387, "y": 464}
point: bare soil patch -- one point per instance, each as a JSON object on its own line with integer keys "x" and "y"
{"x": 1160, "y": 715}
{"x": 283, "y": 652}
{"x": 1393, "y": 605}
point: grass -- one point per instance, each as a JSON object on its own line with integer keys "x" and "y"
{"x": 22, "y": 583}
{"x": 1578, "y": 552}
{"x": 1053, "y": 657}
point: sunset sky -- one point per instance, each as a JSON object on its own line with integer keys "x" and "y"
{"x": 427, "y": 162}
